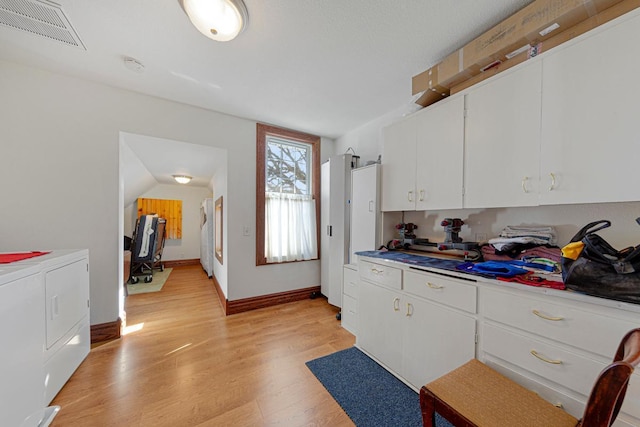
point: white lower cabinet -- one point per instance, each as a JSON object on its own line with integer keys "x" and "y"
{"x": 428, "y": 348}
{"x": 555, "y": 346}
{"x": 411, "y": 335}
{"x": 350, "y": 296}
{"x": 423, "y": 324}
{"x": 380, "y": 312}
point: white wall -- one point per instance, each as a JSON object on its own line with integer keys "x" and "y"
{"x": 189, "y": 246}
{"x": 567, "y": 219}
{"x": 59, "y": 170}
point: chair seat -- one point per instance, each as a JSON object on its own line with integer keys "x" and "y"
{"x": 489, "y": 399}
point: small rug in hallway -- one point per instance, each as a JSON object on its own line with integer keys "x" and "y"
{"x": 159, "y": 278}
{"x": 369, "y": 394}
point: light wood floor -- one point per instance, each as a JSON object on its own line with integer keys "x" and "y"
{"x": 189, "y": 365}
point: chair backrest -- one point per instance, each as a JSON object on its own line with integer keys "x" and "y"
{"x": 610, "y": 388}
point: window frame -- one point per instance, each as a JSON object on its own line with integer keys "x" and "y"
{"x": 262, "y": 131}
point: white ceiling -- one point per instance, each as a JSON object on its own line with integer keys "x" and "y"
{"x": 320, "y": 66}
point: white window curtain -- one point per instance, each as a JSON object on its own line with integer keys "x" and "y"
{"x": 290, "y": 233}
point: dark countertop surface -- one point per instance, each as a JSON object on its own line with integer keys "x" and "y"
{"x": 412, "y": 259}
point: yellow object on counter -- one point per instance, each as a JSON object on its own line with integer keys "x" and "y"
{"x": 572, "y": 250}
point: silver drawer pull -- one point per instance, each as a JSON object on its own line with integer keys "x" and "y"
{"x": 376, "y": 271}
{"x": 544, "y": 359}
{"x": 555, "y": 319}
{"x": 396, "y": 304}
{"x": 432, "y": 286}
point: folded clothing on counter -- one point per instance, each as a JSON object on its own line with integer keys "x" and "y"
{"x": 489, "y": 253}
{"x": 512, "y": 236}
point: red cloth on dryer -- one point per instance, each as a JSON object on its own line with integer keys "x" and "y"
{"x": 19, "y": 256}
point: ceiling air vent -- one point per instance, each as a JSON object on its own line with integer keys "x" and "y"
{"x": 41, "y": 17}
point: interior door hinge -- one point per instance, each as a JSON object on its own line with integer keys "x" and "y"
{"x": 476, "y": 338}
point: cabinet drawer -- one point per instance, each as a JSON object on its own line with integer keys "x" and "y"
{"x": 351, "y": 280}
{"x": 553, "y": 363}
{"x": 350, "y": 314}
{"x": 569, "y": 404}
{"x": 441, "y": 289}
{"x": 389, "y": 277}
{"x": 584, "y": 329}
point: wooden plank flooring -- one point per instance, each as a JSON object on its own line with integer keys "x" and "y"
{"x": 189, "y": 365}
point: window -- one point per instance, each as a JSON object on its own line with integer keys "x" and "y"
{"x": 287, "y": 195}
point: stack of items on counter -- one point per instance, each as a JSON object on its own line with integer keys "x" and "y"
{"x": 521, "y": 254}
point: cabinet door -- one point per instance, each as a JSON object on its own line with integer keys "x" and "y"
{"x": 399, "y": 166}
{"x": 439, "y": 155}
{"x": 502, "y": 144}
{"x": 435, "y": 340}
{"x": 590, "y": 139}
{"x": 380, "y": 324}
{"x": 364, "y": 210}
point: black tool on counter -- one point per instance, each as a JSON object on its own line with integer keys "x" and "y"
{"x": 452, "y": 244}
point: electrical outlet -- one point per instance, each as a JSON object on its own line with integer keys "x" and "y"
{"x": 481, "y": 237}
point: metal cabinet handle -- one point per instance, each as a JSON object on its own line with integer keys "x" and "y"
{"x": 396, "y": 304}
{"x": 543, "y": 316}
{"x": 376, "y": 271}
{"x": 421, "y": 198}
{"x": 524, "y": 184}
{"x": 553, "y": 182}
{"x": 544, "y": 359}
{"x": 409, "y": 309}
{"x": 410, "y": 196}
{"x": 432, "y": 286}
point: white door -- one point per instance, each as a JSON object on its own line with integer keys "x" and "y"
{"x": 502, "y": 145}
{"x": 325, "y": 241}
{"x": 590, "y": 111}
{"x": 380, "y": 320}
{"x": 364, "y": 210}
{"x": 399, "y": 166}
{"x": 436, "y": 340}
{"x": 439, "y": 155}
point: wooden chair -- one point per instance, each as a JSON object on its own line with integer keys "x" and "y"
{"x": 474, "y": 395}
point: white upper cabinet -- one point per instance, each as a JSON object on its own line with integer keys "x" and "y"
{"x": 501, "y": 151}
{"x": 399, "y": 166}
{"x": 422, "y": 159}
{"x": 590, "y": 142}
{"x": 439, "y": 153}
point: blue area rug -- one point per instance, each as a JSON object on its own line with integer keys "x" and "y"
{"x": 369, "y": 394}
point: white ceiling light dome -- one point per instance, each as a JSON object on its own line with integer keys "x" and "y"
{"x": 220, "y": 20}
{"x": 182, "y": 179}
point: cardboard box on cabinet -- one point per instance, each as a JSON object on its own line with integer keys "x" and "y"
{"x": 539, "y": 21}
{"x": 603, "y": 17}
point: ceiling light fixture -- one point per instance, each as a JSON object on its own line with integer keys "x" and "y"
{"x": 182, "y": 179}
{"x": 220, "y": 20}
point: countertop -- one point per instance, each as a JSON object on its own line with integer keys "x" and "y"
{"x": 447, "y": 266}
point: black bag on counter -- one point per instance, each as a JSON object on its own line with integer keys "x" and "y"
{"x": 592, "y": 266}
